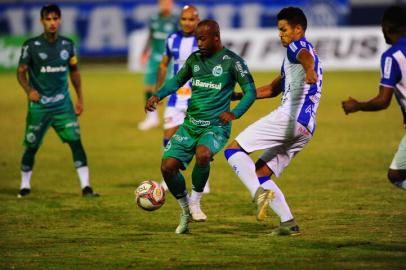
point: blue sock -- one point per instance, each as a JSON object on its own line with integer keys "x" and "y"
{"x": 229, "y": 152}
{"x": 263, "y": 179}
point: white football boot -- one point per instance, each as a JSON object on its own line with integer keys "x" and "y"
{"x": 196, "y": 211}
{"x": 151, "y": 121}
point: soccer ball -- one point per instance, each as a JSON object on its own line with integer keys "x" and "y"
{"x": 149, "y": 195}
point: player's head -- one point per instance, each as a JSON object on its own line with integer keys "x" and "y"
{"x": 50, "y": 18}
{"x": 208, "y": 37}
{"x": 165, "y": 6}
{"x": 292, "y": 24}
{"x": 394, "y": 23}
{"x": 189, "y": 18}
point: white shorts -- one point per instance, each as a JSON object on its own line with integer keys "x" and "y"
{"x": 174, "y": 116}
{"x": 281, "y": 136}
{"x": 399, "y": 160}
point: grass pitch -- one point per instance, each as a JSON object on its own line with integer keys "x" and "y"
{"x": 350, "y": 216}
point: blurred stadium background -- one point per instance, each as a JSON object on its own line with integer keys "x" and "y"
{"x": 104, "y": 29}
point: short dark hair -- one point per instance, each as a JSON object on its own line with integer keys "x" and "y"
{"x": 394, "y": 18}
{"x": 45, "y": 10}
{"x": 294, "y": 16}
{"x": 212, "y": 25}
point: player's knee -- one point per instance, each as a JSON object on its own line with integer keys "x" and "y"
{"x": 395, "y": 176}
{"x": 203, "y": 156}
{"x": 168, "y": 168}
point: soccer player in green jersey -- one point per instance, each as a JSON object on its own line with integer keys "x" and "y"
{"x": 160, "y": 26}
{"x": 47, "y": 59}
{"x": 214, "y": 71}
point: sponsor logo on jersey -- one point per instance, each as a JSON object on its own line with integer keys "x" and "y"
{"x": 65, "y": 42}
{"x": 159, "y": 35}
{"x": 217, "y": 70}
{"x": 293, "y": 47}
{"x": 168, "y": 27}
{"x": 179, "y": 138}
{"x": 303, "y": 43}
{"x": 196, "y": 68}
{"x": 43, "y": 56}
{"x": 25, "y": 51}
{"x": 72, "y": 124}
{"x": 199, "y": 122}
{"x": 64, "y": 55}
{"x": 241, "y": 69}
{"x": 49, "y": 69}
{"x": 226, "y": 57}
{"x": 387, "y": 68}
{"x": 206, "y": 84}
{"x": 46, "y": 100}
{"x": 37, "y": 43}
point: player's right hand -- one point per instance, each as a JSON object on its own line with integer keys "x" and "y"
{"x": 150, "y": 106}
{"x": 33, "y": 95}
{"x": 350, "y": 105}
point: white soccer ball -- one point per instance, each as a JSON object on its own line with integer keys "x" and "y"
{"x": 149, "y": 195}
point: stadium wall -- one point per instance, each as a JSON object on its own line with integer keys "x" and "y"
{"x": 344, "y": 48}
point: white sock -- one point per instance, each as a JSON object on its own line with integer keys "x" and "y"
{"x": 206, "y": 187}
{"x": 153, "y": 115}
{"x": 83, "y": 173}
{"x": 184, "y": 204}
{"x": 195, "y": 197}
{"x": 25, "y": 179}
{"x": 244, "y": 167}
{"x": 278, "y": 204}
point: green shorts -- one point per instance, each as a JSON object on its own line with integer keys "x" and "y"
{"x": 64, "y": 122}
{"x": 183, "y": 143}
{"x": 399, "y": 160}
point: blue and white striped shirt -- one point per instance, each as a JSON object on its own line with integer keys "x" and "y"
{"x": 179, "y": 47}
{"x": 393, "y": 70}
{"x": 300, "y": 100}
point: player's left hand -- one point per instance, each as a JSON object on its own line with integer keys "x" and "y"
{"x": 79, "y": 107}
{"x": 227, "y": 117}
{"x": 311, "y": 77}
{"x": 350, "y": 105}
{"x": 151, "y": 104}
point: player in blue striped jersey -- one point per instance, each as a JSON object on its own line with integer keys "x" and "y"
{"x": 179, "y": 46}
{"x": 393, "y": 81}
{"x": 284, "y": 132}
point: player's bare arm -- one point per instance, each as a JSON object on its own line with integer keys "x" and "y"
{"x": 270, "y": 90}
{"x": 77, "y": 84}
{"x": 163, "y": 67}
{"x": 307, "y": 61}
{"x": 146, "y": 50}
{"x": 380, "y": 102}
{"x": 32, "y": 93}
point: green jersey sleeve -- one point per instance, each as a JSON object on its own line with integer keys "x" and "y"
{"x": 25, "y": 57}
{"x": 172, "y": 85}
{"x": 245, "y": 80}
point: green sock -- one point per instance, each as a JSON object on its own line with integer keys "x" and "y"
{"x": 148, "y": 95}
{"x": 177, "y": 185}
{"x": 200, "y": 175}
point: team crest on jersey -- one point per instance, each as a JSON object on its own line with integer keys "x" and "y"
{"x": 217, "y": 70}
{"x": 31, "y": 137}
{"x": 64, "y": 55}
{"x": 303, "y": 43}
{"x": 226, "y": 57}
{"x": 37, "y": 43}
{"x": 196, "y": 68}
{"x": 43, "y": 56}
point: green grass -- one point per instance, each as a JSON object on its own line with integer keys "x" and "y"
{"x": 351, "y": 217}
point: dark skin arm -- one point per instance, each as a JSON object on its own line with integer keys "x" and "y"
{"x": 31, "y": 93}
{"x": 77, "y": 85}
{"x": 267, "y": 91}
{"x": 307, "y": 61}
{"x": 380, "y": 102}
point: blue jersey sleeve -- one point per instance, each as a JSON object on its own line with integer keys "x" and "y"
{"x": 390, "y": 71}
{"x": 293, "y": 50}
